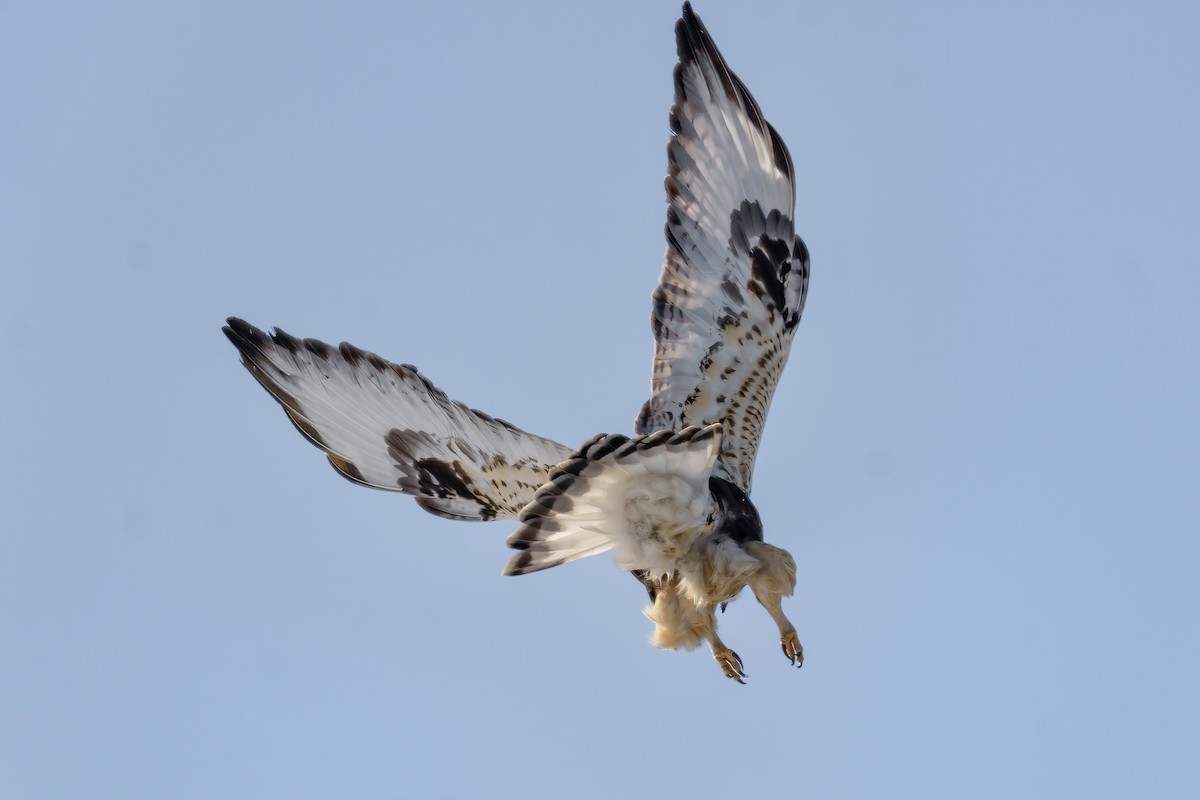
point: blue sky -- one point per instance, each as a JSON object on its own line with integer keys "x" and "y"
{"x": 984, "y": 452}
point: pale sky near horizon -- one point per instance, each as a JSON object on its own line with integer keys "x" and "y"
{"x": 984, "y": 454}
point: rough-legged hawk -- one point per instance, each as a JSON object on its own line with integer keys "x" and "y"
{"x": 672, "y": 502}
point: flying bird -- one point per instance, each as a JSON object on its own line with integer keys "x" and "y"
{"x": 672, "y": 502}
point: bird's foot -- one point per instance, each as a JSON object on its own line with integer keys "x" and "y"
{"x": 792, "y": 648}
{"x": 730, "y": 664}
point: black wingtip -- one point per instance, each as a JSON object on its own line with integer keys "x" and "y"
{"x": 687, "y": 34}
{"x": 692, "y": 37}
{"x": 234, "y": 325}
{"x": 696, "y": 46}
{"x": 244, "y": 336}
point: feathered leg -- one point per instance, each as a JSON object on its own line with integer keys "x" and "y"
{"x": 775, "y": 580}
{"x": 680, "y": 622}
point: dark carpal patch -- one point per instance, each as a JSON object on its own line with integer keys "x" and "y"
{"x": 777, "y": 259}
{"x": 443, "y": 479}
{"x": 768, "y": 273}
{"x": 433, "y": 477}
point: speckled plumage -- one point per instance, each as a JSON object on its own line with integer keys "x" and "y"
{"x": 386, "y": 426}
{"x": 672, "y": 503}
{"x": 736, "y": 275}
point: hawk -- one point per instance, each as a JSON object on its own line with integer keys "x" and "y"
{"x": 672, "y": 502}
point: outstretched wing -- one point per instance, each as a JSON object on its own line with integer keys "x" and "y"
{"x": 386, "y": 426}
{"x": 735, "y": 278}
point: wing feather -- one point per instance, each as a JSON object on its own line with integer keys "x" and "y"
{"x": 735, "y": 274}
{"x": 386, "y": 426}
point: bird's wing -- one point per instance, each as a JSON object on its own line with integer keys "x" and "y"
{"x": 386, "y": 426}
{"x": 735, "y": 277}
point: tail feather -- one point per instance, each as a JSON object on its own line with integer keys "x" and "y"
{"x": 618, "y": 492}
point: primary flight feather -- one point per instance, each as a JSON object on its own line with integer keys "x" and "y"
{"x": 672, "y": 503}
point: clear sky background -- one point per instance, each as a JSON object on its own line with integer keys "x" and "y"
{"x": 985, "y": 452}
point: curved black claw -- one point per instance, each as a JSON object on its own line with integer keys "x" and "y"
{"x": 792, "y": 649}
{"x": 731, "y": 665}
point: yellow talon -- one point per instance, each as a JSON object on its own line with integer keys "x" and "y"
{"x": 731, "y": 665}
{"x": 792, "y": 648}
